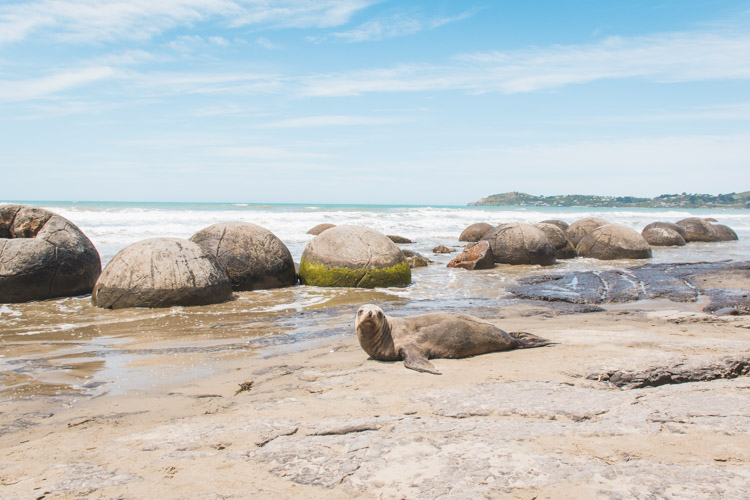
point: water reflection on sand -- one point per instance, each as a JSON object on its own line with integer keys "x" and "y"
{"x": 67, "y": 346}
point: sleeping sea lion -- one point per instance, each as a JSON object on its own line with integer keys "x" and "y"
{"x": 415, "y": 339}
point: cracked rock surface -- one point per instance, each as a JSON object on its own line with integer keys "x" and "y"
{"x": 43, "y": 256}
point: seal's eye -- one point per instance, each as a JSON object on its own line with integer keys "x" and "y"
{"x": 380, "y": 314}
{"x": 359, "y": 313}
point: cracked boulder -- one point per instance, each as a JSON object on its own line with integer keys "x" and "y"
{"x": 161, "y": 272}
{"x": 253, "y": 257}
{"x": 697, "y": 229}
{"x": 564, "y": 249}
{"x": 582, "y": 227}
{"x": 43, "y": 256}
{"x": 478, "y": 256}
{"x": 660, "y": 236}
{"x": 353, "y": 256}
{"x": 614, "y": 241}
{"x": 518, "y": 243}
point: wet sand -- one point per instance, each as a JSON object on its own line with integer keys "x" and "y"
{"x": 317, "y": 418}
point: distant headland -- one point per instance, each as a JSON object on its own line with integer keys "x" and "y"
{"x": 684, "y": 200}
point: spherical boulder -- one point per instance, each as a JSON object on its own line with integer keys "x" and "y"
{"x": 475, "y": 232}
{"x": 518, "y": 243}
{"x": 724, "y": 233}
{"x": 666, "y": 225}
{"x": 697, "y": 229}
{"x": 614, "y": 241}
{"x": 43, "y": 256}
{"x": 581, "y": 228}
{"x": 319, "y": 229}
{"x": 662, "y": 237}
{"x": 353, "y": 256}
{"x": 161, "y": 272}
{"x": 564, "y": 249}
{"x": 253, "y": 257}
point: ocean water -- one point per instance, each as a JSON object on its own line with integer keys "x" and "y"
{"x": 66, "y": 345}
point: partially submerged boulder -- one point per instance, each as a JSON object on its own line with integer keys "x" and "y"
{"x": 253, "y": 257}
{"x": 614, "y": 241}
{"x": 415, "y": 259}
{"x": 518, "y": 243}
{"x": 319, "y": 229}
{"x": 43, "y": 256}
{"x": 564, "y": 249}
{"x": 399, "y": 239}
{"x": 666, "y": 225}
{"x": 353, "y": 256}
{"x": 478, "y": 256}
{"x": 697, "y": 229}
{"x": 475, "y": 232}
{"x": 161, "y": 272}
{"x": 582, "y": 227}
{"x": 724, "y": 233}
{"x": 662, "y": 237}
{"x": 441, "y": 249}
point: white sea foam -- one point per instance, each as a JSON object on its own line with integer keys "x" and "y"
{"x": 114, "y": 226}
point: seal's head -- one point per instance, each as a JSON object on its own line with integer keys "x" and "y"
{"x": 370, "y": 319}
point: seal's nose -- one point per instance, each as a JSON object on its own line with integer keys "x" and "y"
{"x": 369, "y": 314}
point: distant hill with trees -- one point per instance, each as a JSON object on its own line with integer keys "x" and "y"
{"x": 684, "y": 200}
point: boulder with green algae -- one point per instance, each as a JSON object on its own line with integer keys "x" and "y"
{"x": 353, "y": 256}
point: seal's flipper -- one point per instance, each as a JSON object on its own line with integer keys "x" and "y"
{"x": 415, "y": 359}
{"x": 529, "y": 340}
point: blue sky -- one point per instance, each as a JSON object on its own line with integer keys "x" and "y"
{"x": 364, "y": 101}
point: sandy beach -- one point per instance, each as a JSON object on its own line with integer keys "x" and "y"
{"x": 322, "y": 420}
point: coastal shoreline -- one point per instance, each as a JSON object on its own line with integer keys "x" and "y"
{"x": 326, "y": 420}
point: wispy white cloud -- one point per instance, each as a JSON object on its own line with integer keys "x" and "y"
{"x": 21, "y": 90}
{"x": 690, "y": 56}
{"x": 395, "y": 25}
{"x": 97, "y": 20}
{"x": 331, "y": 121}
{"x": 265, "y": 153}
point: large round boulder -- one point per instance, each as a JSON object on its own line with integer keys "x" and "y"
{"x": 253, "y": 257}
{"x": 319, "y": 229}
{"x": 161, "y": 272}
{"x": 666, "y": 225}
{"x": 582, "y": 227}
{"x": 614, "y": 241}
{"x": 659, "y": 236}
{"x": 475, "y": 232}
{"x": 353, "y": 256}
{"x": 724, "y": 233}
{"x": 697, "y": 229}
{"x": 564, "y": 249}
{"x": 518, "y": 243}
{"x": 43, "y": 256}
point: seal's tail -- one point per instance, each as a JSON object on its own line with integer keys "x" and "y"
{"x": 529, "y": 340}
